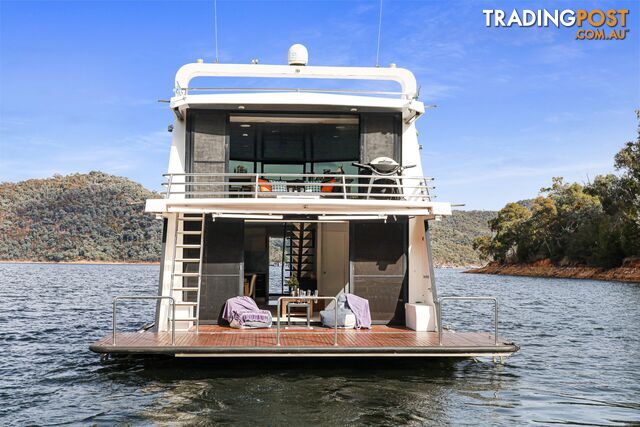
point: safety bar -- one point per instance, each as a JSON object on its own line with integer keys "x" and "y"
{"x": 172, "y": 301}
{"x": 186, "y": 90}
{"x": 335, "y": 325}
{"x": 346, "y": 186}
{"x": 295, "y": 175}
{"x": 495, "y": 314}
{"x": 403, "y": 77}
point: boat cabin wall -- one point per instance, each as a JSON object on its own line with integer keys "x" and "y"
{"x": 216, "y": 141}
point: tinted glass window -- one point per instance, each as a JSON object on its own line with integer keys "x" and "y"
{"x": 243, "y": 142}
{"x": 335, "y": 142}
{"x": 283, "y": 142}
{"x": 321, "y": 142}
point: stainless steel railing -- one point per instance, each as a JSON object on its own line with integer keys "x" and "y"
{"x": 308, "y": 298}
{"x": 254, "y": 185}
{"x": 495, "y": 313}
{"x": 186, "y": 91}
{"x": 172, "y": 301}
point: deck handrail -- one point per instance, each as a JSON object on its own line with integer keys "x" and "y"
{"x": 310, "y": 298}
{"x": 187, "y": 90}
{"x": 474, "y": 298}
{"x": 403, "y": 77}
{"x": 252, "y": 185}
{"x": 172, "y": 301}
{"x": 319, "y": 175}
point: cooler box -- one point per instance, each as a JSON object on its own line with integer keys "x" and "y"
{"x": 420, "y": 317}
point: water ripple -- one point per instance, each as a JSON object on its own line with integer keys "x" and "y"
{"x": 578, "y": 363}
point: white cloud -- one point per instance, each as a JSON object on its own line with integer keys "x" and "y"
{"x": 520, "y": 171}
{"x": 560, "y": 53}
{"x": 562, "y": 117}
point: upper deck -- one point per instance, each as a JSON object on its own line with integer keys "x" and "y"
{"x": 248, "y": 150}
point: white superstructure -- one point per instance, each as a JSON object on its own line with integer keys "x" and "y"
{"x": 294, "y": 106}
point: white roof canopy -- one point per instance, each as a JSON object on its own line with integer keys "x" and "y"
{"x": 402, "y": 76}
{"x": 295, "y": 98}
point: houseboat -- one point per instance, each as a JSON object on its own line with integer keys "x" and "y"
{"x": 291, "y": 198}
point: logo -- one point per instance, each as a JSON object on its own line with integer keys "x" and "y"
{"x": 596, "y": 24}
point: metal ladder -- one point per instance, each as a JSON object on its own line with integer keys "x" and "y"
{"x": 179, "y": 243}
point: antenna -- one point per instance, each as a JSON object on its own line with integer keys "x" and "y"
{"x": 379, "y": 31}
{"x": 215, "y": 20}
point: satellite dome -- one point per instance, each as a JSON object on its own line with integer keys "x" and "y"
{"x": 298, "y": 55}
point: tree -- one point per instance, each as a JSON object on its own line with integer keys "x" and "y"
{"x": 597, "y": 224}
{"x": 537, "y": 235}
{"x": 507, "y": 228}
{"x": 484, "y": 246}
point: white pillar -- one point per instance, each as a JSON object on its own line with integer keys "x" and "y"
{"x": 421, "y": 280}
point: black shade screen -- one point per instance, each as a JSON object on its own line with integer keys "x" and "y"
{"x": 223, "y": 266}
{"x": 378, "y": 254}
{"x": 335, "y": 142}
{"x": 283, "y": 142}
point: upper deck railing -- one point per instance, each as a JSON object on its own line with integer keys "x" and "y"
{"x": 205, "y": 90}
{"x": 406, "y": 79}
{"x": 297, "y": 186}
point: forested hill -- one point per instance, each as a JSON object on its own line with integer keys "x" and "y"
{"x": 452, "y": 237}
{"x": 100, "y": 217}
{"x": 93, "y": 217}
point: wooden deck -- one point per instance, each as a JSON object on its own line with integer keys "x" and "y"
{"x": 218, "y": 341}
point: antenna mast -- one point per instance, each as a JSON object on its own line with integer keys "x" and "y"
{"x": 215, "y": 20}
{"x": 379, "y": 32}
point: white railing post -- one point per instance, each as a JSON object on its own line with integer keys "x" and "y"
{"x": 169, "y": 186}
{"x": 344, "y": 187}
{"x": 256, "y": 186}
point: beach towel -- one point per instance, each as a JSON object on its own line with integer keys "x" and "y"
{"x": 243, "y": 312}
{"x": 360, "y": 308}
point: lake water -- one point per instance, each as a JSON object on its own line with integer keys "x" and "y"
{"x": 578, "y": 363}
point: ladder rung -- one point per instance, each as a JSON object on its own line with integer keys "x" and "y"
{"x": 190, "y": 233}
{"x": 186, "y": 246}
{"x": 186, "y": 274}
{"x": 187, "y": 259}
{"x": 190, "y": 218}
{"x": 183, "y": 289}
{"x": 190, "y": 304}
{"x": 185, "y": 319}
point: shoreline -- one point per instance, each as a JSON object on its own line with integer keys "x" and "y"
{"x": 81, "y": 262}
{"x": 26, "y": 261}
{"x": 629, "y": 272}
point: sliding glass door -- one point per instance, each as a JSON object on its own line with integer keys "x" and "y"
{"x": 272, "y": 143}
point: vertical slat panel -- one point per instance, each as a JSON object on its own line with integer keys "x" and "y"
{"x": 207, "y": 150}
{"x": 222, "y": 270}
{"x": 380, "y": 137}
{"x": 378, "y": 255}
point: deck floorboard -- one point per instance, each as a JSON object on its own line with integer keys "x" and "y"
{"x": 379, "y": 339}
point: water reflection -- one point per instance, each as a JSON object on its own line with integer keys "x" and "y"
{"x": 305, "y": 392}
{"x": 313, "y": 391}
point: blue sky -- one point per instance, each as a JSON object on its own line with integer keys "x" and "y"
{"x": 80, "y": 83}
